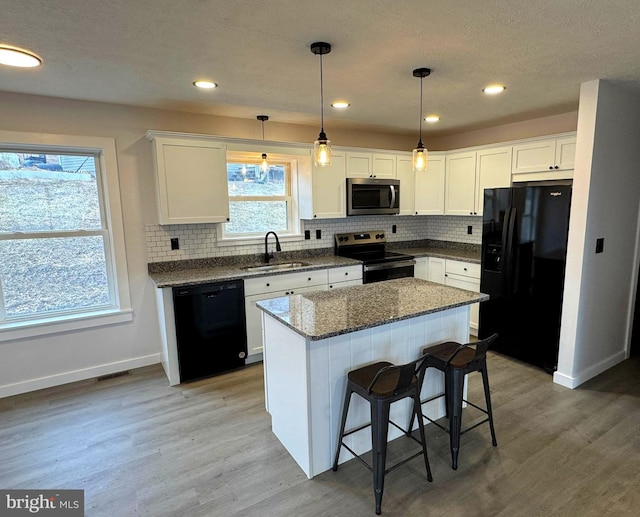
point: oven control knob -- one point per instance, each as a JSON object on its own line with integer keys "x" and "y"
{"x": 346, "y": 238}
{"x": 382, "y": 235}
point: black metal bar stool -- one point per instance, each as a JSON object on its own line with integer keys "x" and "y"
{"x": 381, "y": 384}
{"x": 456, "y": 361}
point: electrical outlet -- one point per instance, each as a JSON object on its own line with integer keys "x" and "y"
{"x": 307, "y": 234}
{"x": 469, "y": 229}
{"x": 318, "y": 234}
{"x": 394, "y": 228}
{"x": 600, "y": 245}
{"x": 175, "y": 243}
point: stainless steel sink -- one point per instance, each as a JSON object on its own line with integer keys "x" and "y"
{"x": 276, "y": 267}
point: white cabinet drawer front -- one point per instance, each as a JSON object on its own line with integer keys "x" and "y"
{"x": 269, "y": 284}
{"x": 348, "y": 283}
{"x": 342, "y": 274}
{"x": 463, "y": 282}
{"x": 463, "y": 268}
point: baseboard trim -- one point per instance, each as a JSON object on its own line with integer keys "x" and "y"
{"x": 574, "y": 381}
{"x": 17, "y": 388}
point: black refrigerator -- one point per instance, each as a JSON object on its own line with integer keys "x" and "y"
{"x": 524, "y": 250}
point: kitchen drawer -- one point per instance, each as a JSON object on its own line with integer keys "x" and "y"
{"x": 348, "y": 283}
{"x": 342, "y": 274}
{"x": 269, "y": 284}
{"x": 462, "y": 268}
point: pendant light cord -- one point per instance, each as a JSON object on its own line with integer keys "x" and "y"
{"x": 420, "y": 123}
{"x": 321, "y": 98}
{"x": 262, "y": 130}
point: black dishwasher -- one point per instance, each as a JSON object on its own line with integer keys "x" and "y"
{"x": 210, "y": 328}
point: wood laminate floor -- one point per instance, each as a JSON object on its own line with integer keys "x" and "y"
{"x": 139, "y": 447}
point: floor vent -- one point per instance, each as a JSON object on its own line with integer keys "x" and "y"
{"x": 112, "y": 375}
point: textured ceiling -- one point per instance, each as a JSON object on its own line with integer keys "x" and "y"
{"x": 148, "y": 52}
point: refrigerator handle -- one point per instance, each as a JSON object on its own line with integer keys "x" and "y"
{"x": 509, "y": 252}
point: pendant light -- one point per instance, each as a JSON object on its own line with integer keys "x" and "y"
{"x": 420, "y": 159}
{"x": 322, "y": 146}
{"x": 264, "y": 165}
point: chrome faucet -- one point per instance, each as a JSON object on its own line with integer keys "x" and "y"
{"x": 268, "y": 255}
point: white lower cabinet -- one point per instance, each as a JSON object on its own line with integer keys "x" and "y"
{"x": 420, "y": 270}
{"x": 265, "y": 287}
{"x": 436, "y": 270}
{"x": 344, "y": 276}
{"x": 465, "y": 275}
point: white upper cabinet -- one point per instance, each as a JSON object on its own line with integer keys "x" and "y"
{"x": 565, "y": 153}
{"x": 460, "y": 186}
{"x": 468, "y": 174}
{"x": 493, "y": 169}
{"x": 549, "y": 155}
{"x": 404, "y": 173}
{"x": 191, "y": 181}
{"x": 429, "y": 187}
{"x": 370, "y": 165}
{"x": 328, "y": 191}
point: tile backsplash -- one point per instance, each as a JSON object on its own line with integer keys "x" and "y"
{"x": 200, "y": 240}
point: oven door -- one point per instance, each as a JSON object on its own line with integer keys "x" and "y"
{"x": 387, "y": 271}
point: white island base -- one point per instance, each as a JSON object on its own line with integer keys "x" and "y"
{"x": 305, "y": 381}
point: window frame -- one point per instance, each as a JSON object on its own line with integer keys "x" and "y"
{"x": 112, "y": 230}
{"x": 293, "y": 211}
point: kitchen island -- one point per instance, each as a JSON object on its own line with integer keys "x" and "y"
{"x": 312, "y": 340}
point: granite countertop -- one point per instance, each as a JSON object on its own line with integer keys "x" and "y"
{"x": 324, "y": 314}
{"x": 439, "y": 249}
{"x": 204, "y": 272}
{"x": 182, "y": 273}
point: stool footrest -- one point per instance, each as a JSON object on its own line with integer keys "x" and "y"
{"x": 393, "y": 467}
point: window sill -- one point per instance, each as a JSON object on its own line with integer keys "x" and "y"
{"x": 13, "y": 331}
{"x": 239, "y": 241}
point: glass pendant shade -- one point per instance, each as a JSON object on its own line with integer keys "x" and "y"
{"x": 322, "y": 151}
{"x": 322, "y": 146}
{"x": 419, "y": 155}
{"x": 264, "y": 165}
{"x": 420, "y": 158}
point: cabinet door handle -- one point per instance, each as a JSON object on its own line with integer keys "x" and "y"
{"x": 291, "y": 292}
{"x": 268, "y": 285}
{"x": 556, "y": 167}
{"x": 346, "y": 274}
{"x": 309, "y": 279}
{"x": 550, "y": 167}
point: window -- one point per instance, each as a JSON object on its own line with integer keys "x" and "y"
{"x": 57, "y": 257}
{"x": 260, "y": 201}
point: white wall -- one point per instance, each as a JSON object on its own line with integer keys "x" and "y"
{"x": 600, "y": 288}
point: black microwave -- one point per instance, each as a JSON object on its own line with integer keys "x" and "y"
{"x": 367, "y": 196}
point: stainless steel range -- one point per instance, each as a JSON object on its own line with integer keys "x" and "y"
{"x": 378, "y": 263}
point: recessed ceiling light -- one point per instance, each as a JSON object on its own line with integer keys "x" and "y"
{"x": 340, "y": 105}
{"x": 494, "y": 89}
{"x": 432, "y": 119}
{"x": 206, "y": 85}
{"x": 12, "y": 56}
